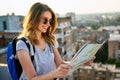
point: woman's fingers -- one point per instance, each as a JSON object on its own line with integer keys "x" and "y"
{"x": 91, "y": 61}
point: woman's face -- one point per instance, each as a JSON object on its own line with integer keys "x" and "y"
{"x": 45, "y": 21}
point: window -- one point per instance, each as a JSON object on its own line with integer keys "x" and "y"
{"x": 119, "y": 46}
{"x": 4, "y": 25}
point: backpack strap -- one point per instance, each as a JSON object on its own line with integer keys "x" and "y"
{"x": 18, "y": 65}
{"x": 18, "y": 68}
{"x": 29, "y": 46}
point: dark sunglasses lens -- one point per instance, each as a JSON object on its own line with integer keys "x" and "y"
{"x": 45, "y": 21}
{"x": 51, "y": 22}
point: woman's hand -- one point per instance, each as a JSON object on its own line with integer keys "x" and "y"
{"x": 90, "y": 62}
{"x": 62, "y": 71}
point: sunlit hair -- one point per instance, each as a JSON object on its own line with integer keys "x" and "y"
{"x": 31, "y": 22}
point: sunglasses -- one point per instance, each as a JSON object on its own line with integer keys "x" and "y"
{"x": 45, "y": 21}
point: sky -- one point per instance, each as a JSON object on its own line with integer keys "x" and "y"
{"x": 21, "y": 7}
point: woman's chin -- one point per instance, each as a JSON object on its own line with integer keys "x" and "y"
{"x": 44, "y": 31}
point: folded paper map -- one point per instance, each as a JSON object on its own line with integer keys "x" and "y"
{"x": 86, "y": 53}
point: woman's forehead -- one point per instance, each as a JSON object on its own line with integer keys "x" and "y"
{"x": 46, "y": 14}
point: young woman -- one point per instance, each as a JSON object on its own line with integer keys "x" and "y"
{"x": 38, "y": 27}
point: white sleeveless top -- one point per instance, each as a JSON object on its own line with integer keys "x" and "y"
{"x": 43, "y": 60}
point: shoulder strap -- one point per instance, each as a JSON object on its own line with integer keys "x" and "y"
{"x": 17, "y": 63}
{"x": 28, "y": 45}
{"x": 24, "y": 39}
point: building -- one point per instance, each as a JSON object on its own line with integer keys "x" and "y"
{"x": 113, "y": 41}
{"x": 3, "y": 42}
{"x": 11, "y": 25}
{"x": 11, "y": 22}
{"x": 64, "y": 36}
{"x": 114, "y": 46}
{"x": 73, "y": 18}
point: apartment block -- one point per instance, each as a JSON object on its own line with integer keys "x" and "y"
{"x": 10, "y": 25}
{"x": 114, "y": 46}
{"x": 11, "y": 22}
{"x": 113, "y": 41}
{"x": 64, "y": 36}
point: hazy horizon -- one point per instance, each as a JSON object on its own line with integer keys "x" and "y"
{"x": 20, "y": 7}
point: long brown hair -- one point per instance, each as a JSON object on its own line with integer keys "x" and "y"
{"x": 31, "y": 22}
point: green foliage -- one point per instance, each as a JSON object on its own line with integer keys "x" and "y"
{"x": 94, "y": 26}
{"x": 113, "y": 61}
{"x": 117, "y": 63}
{"x": 118, "y": 20}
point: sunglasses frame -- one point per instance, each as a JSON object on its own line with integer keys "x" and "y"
{"x": 45, "y": 21}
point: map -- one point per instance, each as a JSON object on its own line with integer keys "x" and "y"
{"x": 86, "y": 53}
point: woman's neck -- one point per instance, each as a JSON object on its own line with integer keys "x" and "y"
{"x": 39, "y": 35}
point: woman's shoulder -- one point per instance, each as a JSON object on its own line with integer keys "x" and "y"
{"x": 20, "y": 44}
{"x": 56, "y": 45}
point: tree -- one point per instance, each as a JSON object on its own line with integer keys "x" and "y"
{"x": 118, "y": 20}
{"x": 94, "y": 26}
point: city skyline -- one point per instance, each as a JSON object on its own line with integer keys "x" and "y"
{"x": 20, "y": 7}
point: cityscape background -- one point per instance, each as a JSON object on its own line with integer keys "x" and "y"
{"x": 78, "y": 22}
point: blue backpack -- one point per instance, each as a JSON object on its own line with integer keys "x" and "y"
{"x": 14, "y": 66}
